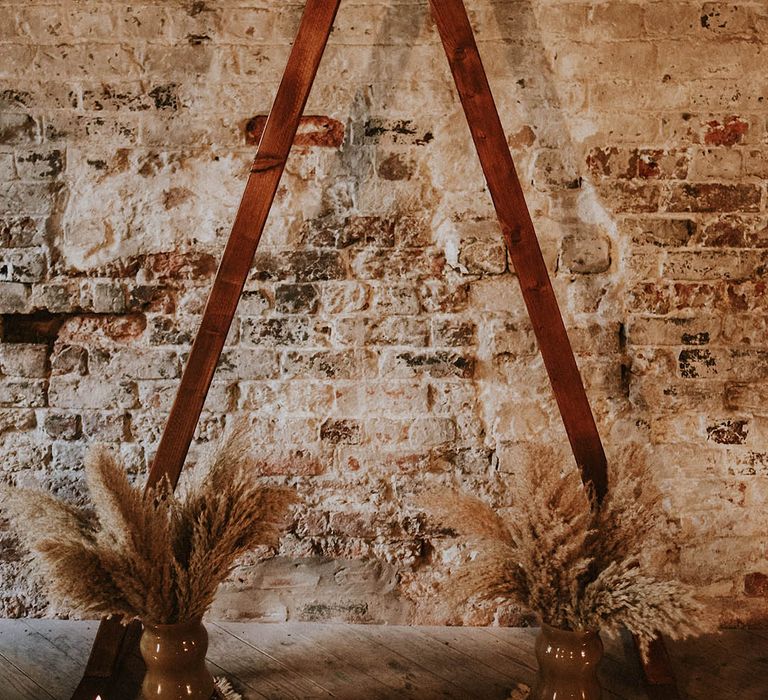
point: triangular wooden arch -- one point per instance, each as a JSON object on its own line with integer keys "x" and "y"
{"x": 114, "y": 669}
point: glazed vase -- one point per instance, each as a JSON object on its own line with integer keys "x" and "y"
{"x": 175, "y": 659}
{"x": 568, "y": 663}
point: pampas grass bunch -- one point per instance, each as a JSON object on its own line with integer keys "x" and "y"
{"x": 579, "y": 564}
{"x": 154, "y": 556}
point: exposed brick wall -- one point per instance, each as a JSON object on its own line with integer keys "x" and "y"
{"x": 382, "y": 341}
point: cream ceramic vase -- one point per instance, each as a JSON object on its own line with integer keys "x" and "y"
{"x": 568, "y": 663}
{"x": 175, "y": 659}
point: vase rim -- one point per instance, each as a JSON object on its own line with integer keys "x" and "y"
{"x": 194, "y": 622}
{"x": 560, "y": 630}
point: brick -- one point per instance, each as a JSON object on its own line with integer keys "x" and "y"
{"x": 397, "y": 330}
{"x": 698, "y": 364}
{"x": 24, "y": 360}
{"x": 585, "y": 255}
{"x": 733, "y": 231}
{"x": 479, "y": 257}
{"x": 346, "y": 364}
{"x": 628, "y": 197}
{"x": 314, "y": 131}
{"x": 28, "y": 198}
{"x": 341, "y": 431}
{"x": 296, "y": 299}
{"x": 390, "y": 299}
{"x": 137, "y": 363}
{"x": 40, "y": 164}
{"x": 131, "y": 97}
{"x": 14, "y": 298}
{"x": 22, "y": 265}
{"x": 7, "y": 167}
{"x": 701, "y": 330}
{"x": 22, "y": 392}
{"x": 453, "y": 332}
{"x": 391, "y": 397}
{"x": 16, "y": 129}
{"x": 22, "y": 231}
{"x": 62, "y": 426}
{"x": 16, "y": 420}
{"x": 720, "y": 164}
{"x": 703, "y": 265}
{"x": 722, "y": 18}
{"x": 713, "y": 198}
{"x": 398, "y": 264}
{"x": 660, "y": 232}
{"x": 620, "y": 20}
{"x": 285, "y": 332}
{"x": 69, "y": 359}
{"x": 756, "y": 585}
{"x": 344, "y": 297}
{"x": 439, "y": 297}
{"x": 299, "y": 266}
{"x": 435, "y": 364}
{"x": 729, "y": 432}
{"x": 255, "y": 302}
{"x": 66, "y": 391}
{"x": 242, "y": 363}
{"x": 431, "y": 432}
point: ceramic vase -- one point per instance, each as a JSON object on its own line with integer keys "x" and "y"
{"x": 568, "y": 663}
{"x": 175, "y": 659}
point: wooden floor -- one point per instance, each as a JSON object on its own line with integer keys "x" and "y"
{"x": 44, "y": 659}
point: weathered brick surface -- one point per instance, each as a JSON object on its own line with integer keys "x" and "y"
{"x": 381, "y": 343}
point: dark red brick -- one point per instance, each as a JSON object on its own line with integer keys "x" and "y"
{"x": 729, "y": 132}
{"x": 314, "y": 130}
{"x": 713, "y": 197}
{"x": 756, "y": 585}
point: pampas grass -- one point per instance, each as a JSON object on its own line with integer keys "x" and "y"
{"x": 153, "y": 556}
{"x": 576, "y": 563}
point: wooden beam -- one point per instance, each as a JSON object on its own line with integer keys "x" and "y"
{"x": 267, "y": 169}
{"x": 517, "y": 227}
{"x": 112, "y": 648}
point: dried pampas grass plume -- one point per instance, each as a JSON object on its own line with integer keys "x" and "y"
{"x": 574, "y": 562}
{"x": 155, "y": 557}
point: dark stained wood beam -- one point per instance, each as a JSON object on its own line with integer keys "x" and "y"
{"x": 524, "y": 250}
{"x": 113, "y": 669}
{"x": 517, "y": 227}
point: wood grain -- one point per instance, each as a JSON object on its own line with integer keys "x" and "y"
{"x": 524, "y": 250}
{"x": 260, "y": 190}
{"x": 302, "y": 660}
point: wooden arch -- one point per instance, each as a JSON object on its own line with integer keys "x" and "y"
{"x": 114, "y": 669}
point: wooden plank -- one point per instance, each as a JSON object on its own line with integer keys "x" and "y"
{"x": 16, "y": 685}
{"x": 731, "y": 664}
{"x": 308, "y": 659}
{"x": 260, "y": 672}
{"x": 260, "y": 190}
{"x": 518, "y": 230}
{"x": 73, "y": 638}
{"x": 520, "y": 639}
{"x": 266, "y": 172}
{"x": 442, "y": 661}
{"x": 37, "y": 658}
{"x": 482, "y": 649}
{"x": 408, "y": 680}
